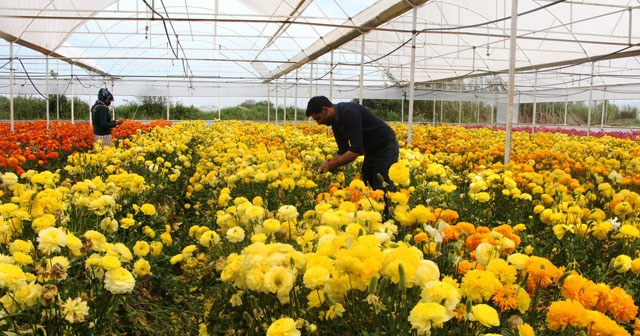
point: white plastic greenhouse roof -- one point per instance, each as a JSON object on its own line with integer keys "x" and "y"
{"x": 340, "y": 48}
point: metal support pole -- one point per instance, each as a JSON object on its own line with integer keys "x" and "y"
{"x": 535, "y": 102}
{"x": 331, "y": 79}
{"x": 604, "y": 104}
{"x": 433, "y": 122}
{"x": 73, "y": 121}
{"x": 46, "y": 85}
{"x": 512, "y": 76}
{"x": 295, "y": 104}
{"x": 566, "y": 109}
{"x": 460, "y": 104}
{"x": 412, "y": 75}
{"x": 362, "y": 70}
{"x": 590, "y": 100}
{"x": 167, "y": 104}
{"x": 12, "y": 78}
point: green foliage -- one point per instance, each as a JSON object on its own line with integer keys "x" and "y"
{"x": 30, "y": 108}
{"x": 424, "y": 111}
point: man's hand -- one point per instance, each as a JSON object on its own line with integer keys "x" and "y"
{"x": 119, "y": 122}
{"x": 324, "y": 167}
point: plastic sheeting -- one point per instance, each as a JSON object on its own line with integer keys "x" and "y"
{"x": 201, "y": 48}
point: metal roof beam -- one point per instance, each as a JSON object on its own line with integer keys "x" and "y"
{"x": 323, "y": 46}
{"x": 45, "y": 51}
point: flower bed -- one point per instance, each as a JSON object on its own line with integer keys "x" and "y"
{"x": 228, "y": 229}
{"x": 33, "y": 144}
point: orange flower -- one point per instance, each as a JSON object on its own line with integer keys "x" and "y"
{"x": 542, "y": 273}
{"x": 583, "y": 290}
{"x": 617, "y": 302}
{"x": 505, "y": 298}
{"x": 562, "y": 314}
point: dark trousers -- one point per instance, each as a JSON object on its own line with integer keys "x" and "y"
{"x": 378, "y": 162}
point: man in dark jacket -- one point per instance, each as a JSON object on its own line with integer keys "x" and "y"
{"x": 101, "y": 118}
{"x": 356, "y": 132}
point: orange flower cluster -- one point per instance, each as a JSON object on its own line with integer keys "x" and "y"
{"x": 32, "y": 144}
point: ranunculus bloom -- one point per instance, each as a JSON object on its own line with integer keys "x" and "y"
{"x": 622, "y": 263}
{"x": 271, "y": 225}
{"x": 315, "y": 277}
{"x": 426, "y": 314}
{"x": 399, "y": 173}
{"x": 235, "y": 234}
{"x": 283, "y": 327}
{"x": 484, "y": 314}
{"x": 51, "y": 239}
{"x": 141, "y": 267}
{"x": 148, "y": 209}
{"x": 119, "y": 281}
{"x": 75, "y": 310}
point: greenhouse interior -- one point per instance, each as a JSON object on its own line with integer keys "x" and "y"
{"x": 216, "y": 53}
{"x": 491, "y": 186}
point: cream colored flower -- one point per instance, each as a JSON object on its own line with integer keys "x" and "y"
{"x": 119, "y": 281}
{"x": 51, "y": 239}
{"x": 75, "y": 310}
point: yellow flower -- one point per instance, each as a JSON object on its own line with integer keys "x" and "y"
{"x": 279, "y": 279}
{"x": 271, "y": 225}
{"x": 628, "y": 231}
{"x": 148, "y": 231}
{"x": 126, "y": 223}
{"x": 334, "y": 311}
{"x": 235, "y": 234}
{"x": 123, "y": 252}
{"x": 148, "y": 209}
{"x": 635, "y": 266}
{"x": 254, "y": 213}
{"x": 623, "y": 208}
{"x": 110, "y": 262}
{"x": 22, "y": 258}
{"x": 481, "y": 197}
{"x": 479, "y": 285}
{"x": 601, "y": 230}
{"x": 141, "y": 248}
{"x": 258, "y": 238}
{"x": 315, "y": 298}
{"x": 141, "y": 267}
{"x": 74, "y": 244}
{"x": 51, "y": 240}
{"x": 427, "y": 314}
{"x": 622, "y": 263}
{"x": 287, "y": 213}
{"x": 75, "y": 310}
{"x": 155, "y": 248}
{"x": 315, "y": 277}
{"x": 440, "y": 292}
{"x": 283, "y": 327}
{"x": 485, "y": 252}
{"x": 504, "y": 272}
{"x": 98, "y": 240}
{"x": 209, "y": 238}
{"x": 166, "y": 238}
{"x": 560, "y": 229}
{"x": 484, "y": 314}
{"x": 9, "y": 179}
{"x": 28, "y": 295}
{"x": 399, "y": 173}
{"x": 43, "y": 221}
{"x": 528, "y": 250}
{"x": 176, "y": 259}
{"x": 12, "y": 276}
{"x": 119, "y": 281}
